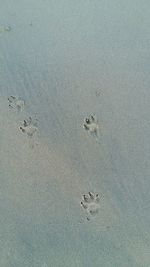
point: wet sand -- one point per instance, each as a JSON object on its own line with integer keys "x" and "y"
{"x": 75, "y": 60}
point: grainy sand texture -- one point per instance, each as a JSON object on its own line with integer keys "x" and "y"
{"x": 63, "y": 63}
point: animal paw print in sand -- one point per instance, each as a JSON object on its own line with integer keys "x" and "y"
{"x": 16, "y": 102}
{"x": 90, "y": 203}
{"x": 29, "y": 126}
{"x": 5, "y": 29}
{"x": 91, "y": 125}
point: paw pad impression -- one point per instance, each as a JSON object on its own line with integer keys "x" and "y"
{"x": 29, "y": 126}
{"x": 90, "y": 203}
{"x": 16, "y": 102}
{"x": 91, "y": 124}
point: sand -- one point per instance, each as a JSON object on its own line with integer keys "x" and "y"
{"x": 69, "y": 61}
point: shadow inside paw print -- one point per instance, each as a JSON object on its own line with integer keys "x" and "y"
{"x": 16, "y": 102}
{"x": 91, "y": 125}
{"x": 29, "y": 126}
{"x": 90, "y": 203}
{"x": 30, "y": 121}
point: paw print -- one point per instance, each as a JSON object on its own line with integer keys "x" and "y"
{"x": 30, "y": 121}
{"x": 90, "y": 203}
{"x": 29, "y": 126}
{"x": 5, "y": 29}
{"x": 91, "y": 124}
{"x": 98, "y": 92}
{"x": 16, "y": 102}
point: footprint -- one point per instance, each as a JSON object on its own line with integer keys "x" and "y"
{"x": 30, "y": 121}
{"x": 5, "y": 29}
{"x": 90, "y": 203}
{"x": 16, "y": 103}
{"x": 29, "y": 126}
{"x": 98, "y": 92}
{"x": 91, "y": 125}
